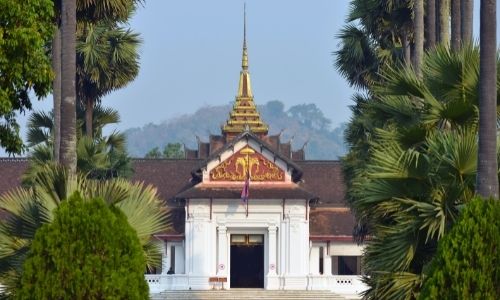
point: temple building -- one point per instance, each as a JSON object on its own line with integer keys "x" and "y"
{"x": 254, "y": 213}
{"x": 248, "y": 211}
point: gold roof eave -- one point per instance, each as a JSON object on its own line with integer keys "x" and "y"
{"x": 239, "y": 129}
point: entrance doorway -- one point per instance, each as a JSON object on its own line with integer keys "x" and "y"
{"x": 247, "y": 261}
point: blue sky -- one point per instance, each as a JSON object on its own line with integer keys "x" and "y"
{"x": 191, "y": 56}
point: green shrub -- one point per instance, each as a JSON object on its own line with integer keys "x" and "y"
{"x": 467, "y": 264}
{"x": 89, "y": 251}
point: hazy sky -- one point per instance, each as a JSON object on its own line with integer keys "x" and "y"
{"x": 191, "y": 56}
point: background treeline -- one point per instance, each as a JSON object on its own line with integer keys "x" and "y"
{"x": 304, "y": 123}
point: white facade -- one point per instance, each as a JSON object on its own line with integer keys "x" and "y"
{"x": 291, "y": 260}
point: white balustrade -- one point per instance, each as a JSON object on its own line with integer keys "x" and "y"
{"x": 347, "y": 285}
{"x": 162, "y": 282}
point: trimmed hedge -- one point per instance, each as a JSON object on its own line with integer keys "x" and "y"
{"x": 467, "y": 264}
{"x": 89, "y": 251}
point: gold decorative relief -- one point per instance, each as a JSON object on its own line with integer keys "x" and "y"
{"x": 247, "y": 160}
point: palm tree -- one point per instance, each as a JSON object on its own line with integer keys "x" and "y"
{"x": 430, "y": 24}
{"x": 456, "y": 27}
{"x": 100, "y": 157}
{"x": 68, "y": 92}
{"x": 418, "y": 32}
{"x": 107, "y": 59}
{"x": 377, "y": 33}
{"x": 443, "y": 20}
{"x": 87, "y": 11}
{"x": 56, "y": 83}
{"x": 414, "y": 196}
{"x": 29, "y": 208}
{"x": 356, "y": 60}
{"x": 412, "y": 162}
{"x": 487, "y": 174}
{"x": 467, "y": 8}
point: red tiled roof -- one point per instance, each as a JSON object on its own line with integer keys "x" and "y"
{"x": 329, "y": 222}
{"x": 324, "y": 178}
{"x": 289, "y": 191}
{"x": 11, "y": 170}
{"x": 169, "y": 176}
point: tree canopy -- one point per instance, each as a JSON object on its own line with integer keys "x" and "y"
{"x": 171, "y": 150}
{"x": 89, "y": 251}
{"x": 25, "y": 33}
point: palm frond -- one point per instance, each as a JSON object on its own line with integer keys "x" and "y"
{"x": 39, "y": 128}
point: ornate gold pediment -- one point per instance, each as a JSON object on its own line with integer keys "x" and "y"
{"x": 246, "y": 160}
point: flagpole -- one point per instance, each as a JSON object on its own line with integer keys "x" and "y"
{"x": 246, "y": 187}
{"x": 248, "y": 178}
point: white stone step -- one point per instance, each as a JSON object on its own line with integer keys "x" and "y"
{"x": 253, "y": 294}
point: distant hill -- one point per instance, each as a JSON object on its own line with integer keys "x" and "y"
{"x": 301, "y": 123}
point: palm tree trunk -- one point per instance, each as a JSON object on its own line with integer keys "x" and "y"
{"x": 89, "y": 113}
{"x": 406, "y": 48}
{"x": 487, "y": 177}
{"x": 430, "y": 24}
{"x": 68, "y": 92}
{"x": 444, "y": 22}
{"x": 456, "y": 29}
{"x": 56, "y": 90}
{"x": 418, "y": 33}
{"x": 467, "y": 8}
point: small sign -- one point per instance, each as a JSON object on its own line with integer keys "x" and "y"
{"x": 222, "y": 266}
{"x": 272, "y": 267}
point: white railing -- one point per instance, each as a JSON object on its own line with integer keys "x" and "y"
{"x": 319, "y": 282}
{"x": 161, "y": 282}
{"x": 155, "y": 283}
{"x": 347, "y": 285}
{"x": 341, "y": 284}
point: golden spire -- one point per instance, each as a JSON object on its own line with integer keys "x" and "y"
{"x": 244, "y": 59}
{"x": 244, "y": 86}
{"x": 244, "y": 111}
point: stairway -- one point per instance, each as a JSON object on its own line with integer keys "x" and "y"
{"x": 254, "y": 294}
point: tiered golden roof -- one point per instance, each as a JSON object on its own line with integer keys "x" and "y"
{"x": 244, "y": 111}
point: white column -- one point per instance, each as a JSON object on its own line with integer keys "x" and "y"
{"x": 272, "y": 249}
{"x": 179, "y": 259}
{"x": 314, "y": 260}
{"x": 164, "y": 258}
{"x": 298, "y": 246}
{"x": 189, "y": 246}
{"x": 222, "y": 250}
{"x": 272, "y": 281}
{"x": 327, "y": 262}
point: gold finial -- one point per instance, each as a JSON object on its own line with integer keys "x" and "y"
{"x": 244, "y": 60}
